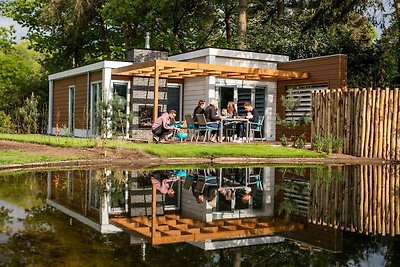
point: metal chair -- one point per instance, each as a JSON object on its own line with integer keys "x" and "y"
{"x": 204, "y": 126}
{"x": 258, "y": 128}
{"x": 191, "y": 126}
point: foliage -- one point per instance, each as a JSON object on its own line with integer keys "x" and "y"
{"x": 291, "y": 103}
{"x": 5, "y": 122}
{"x": 28, "y": 115}
{"x": 21, "y": 75}
{"x": 317, "y": 142}
{"x": 6, "y": 39}
{"x": 76, "y": 32}
{"x": 327, "y": 143}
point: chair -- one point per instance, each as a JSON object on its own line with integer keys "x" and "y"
{"x": 204, "y": 125}
{"x": 191, "y": 126}
{"x": 258, "y": 128}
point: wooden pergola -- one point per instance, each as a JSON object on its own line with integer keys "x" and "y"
{"x": 174, "y": 228}
{"x": 178, "y": 71}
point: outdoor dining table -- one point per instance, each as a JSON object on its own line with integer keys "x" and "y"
{"x": 226, "y": 120}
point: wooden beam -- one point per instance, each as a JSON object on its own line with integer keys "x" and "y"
{"x": 156, "y": 80}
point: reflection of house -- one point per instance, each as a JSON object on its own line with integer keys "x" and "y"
{"x": 227, "y": 75}
{"x": 105, "y": 198}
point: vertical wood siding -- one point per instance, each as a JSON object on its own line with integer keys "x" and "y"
{"x": 330, "y": 70}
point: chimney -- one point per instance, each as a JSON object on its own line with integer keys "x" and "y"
{"x": 147, "y": 41}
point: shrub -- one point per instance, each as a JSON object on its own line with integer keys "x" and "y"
{"x": 318, "y": 142}
{"x": 5, "y": 122}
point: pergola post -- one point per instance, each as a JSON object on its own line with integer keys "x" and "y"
{"x": 153, "y": 214}
{"x": 156, "y": 81}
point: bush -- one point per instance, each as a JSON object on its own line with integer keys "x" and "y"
{"x": 5, "y": 122}
{"x": 318, "y": 142}
{"x": 284, "y": 140}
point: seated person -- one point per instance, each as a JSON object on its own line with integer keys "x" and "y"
{"x": 199, "y": 110}
{"x": 231, "y": 110}
{"x": 211, "y": 116}
{"x": 162, "y": 126}
{"x": 241, "y": 128}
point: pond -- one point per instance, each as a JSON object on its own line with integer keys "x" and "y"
{"x": 202, "y": 215}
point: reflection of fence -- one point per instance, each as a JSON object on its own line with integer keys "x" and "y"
{"x": 366, "y": 119}
{"x": 366, "y": 199}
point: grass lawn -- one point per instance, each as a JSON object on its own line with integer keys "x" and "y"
{"x": 174, "y": 149}
{"x": 18, "y": 157}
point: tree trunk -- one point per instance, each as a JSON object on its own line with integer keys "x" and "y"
{"x": 242, "y": 24}
{"x": 228, "y": 25}
{"x": 281, "y": 8}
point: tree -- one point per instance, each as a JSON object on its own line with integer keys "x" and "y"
{"x": 20, "y": 75}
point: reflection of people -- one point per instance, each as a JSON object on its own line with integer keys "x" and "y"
{"x": 163, "y": 185}
{"x": 211, "y": 116}
{"x": 252, "y": 116}
{"x": 162, "y": 126}
{"x": 227, "y": 193}
{"x": 249, "y": 193}
{"x": 208, "y": 192}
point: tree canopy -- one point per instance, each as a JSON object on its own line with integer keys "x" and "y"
{"x": 72, "y": 33}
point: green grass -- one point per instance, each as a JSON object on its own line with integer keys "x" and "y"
{"x": 175, "y": 149}
{"x": 19, "y": 157}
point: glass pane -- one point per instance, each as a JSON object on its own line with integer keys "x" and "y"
{"x": 173, "y": 100}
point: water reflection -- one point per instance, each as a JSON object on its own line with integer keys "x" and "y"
{"x": 317, "y": 208}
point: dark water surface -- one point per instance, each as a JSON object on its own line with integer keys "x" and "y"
{"x": 248, "y": 216}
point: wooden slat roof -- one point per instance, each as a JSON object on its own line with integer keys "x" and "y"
{"x": 179, "y": 70}
{"x": 174, "y": 228}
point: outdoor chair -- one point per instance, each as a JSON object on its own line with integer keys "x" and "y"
{"x": 257, "y": 127}
{"x": 191, "y": 126}
{"x": 204, "y": 126}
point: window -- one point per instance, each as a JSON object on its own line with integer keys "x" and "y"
{"x": 173, "y": 99}
{"x": 303, "y": 92}
{"x": 95, "y": 100}
{"x": 71, "y": 109}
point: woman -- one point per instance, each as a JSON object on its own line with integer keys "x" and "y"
{"x": 231, "y": 109}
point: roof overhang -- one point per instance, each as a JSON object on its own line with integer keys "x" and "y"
{"x": 178, "y": 70}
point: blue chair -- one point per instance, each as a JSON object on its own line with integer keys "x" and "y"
{"x": 257, "y": 127}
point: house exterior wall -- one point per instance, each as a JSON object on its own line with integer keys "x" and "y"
{"x": 81, "y": 78}
{"x": 329, "y": 70}
{"x": 61, "y": 97}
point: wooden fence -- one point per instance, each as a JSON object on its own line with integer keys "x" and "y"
{"x": 363, "y": 199}
{"x": 368, "y": 120}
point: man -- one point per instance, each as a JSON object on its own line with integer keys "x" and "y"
{"x": 163, "y": 185}
{"x": 162, "y": 126}
{"x": 241, "y": 128}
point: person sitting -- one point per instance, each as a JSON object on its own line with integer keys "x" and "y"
{"x": 241, "y": 128}
{"x": 199, "y": 110}
{"x": 211, "y": 116}
{"x": 231, "y": 110}
{"x": 162, "y": 126}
